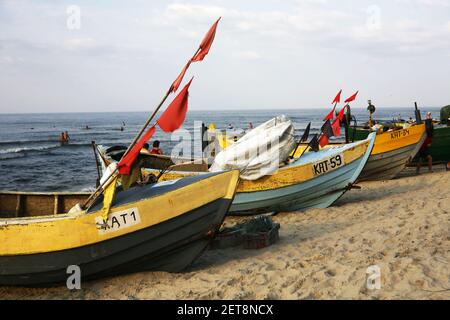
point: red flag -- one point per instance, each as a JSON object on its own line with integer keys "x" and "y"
{"x": 336, "y": 125}
{"x": 175, "y": 113}
{"x": 178, "y": 80}
{"x": 206, "y": 43}
{"x": 127, "y": 162}
{"x": 341, "y": 113}
{"x": 337, "y": 99}
{"x": 323, "y": 141}
{"x": 352, "y": 98}
{"x": 204, "y": 47}
{"x": 330, "y": 116}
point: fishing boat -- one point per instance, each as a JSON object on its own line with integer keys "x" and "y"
{"x": 392, "y": 151}
{"x": 314, "y": 180}
{"x": 440, "y": 146}
{"x": 158, "y": 227}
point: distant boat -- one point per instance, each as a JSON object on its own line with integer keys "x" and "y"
{"x": 159, "y": 227}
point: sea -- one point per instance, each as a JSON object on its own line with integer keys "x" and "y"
{"x": 33, "y": 159}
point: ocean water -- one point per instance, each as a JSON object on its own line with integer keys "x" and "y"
{"x": 33, "y": 159}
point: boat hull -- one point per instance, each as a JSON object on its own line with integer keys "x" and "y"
{"x": 171, "y": 246}
{"x": 393, "y": 150}
{"x": 388, "y": 165}
{"x": 320, "y": 192}
{"x": 162, "y": 227}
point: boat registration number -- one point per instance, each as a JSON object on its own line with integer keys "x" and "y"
{"x": 118, "y": 221}
{"x": 329, "y": 164}
{"x": 399, "y": 134}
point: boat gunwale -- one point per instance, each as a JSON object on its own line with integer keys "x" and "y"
{"x": 4, "y": 222}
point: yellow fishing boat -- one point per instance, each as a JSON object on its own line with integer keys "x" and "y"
{"x": 392, "y": 151}
{"x": 158, "y": 227}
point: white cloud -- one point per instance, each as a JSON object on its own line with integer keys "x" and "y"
{"x": 248, "y": 55}
{"x": 79, "y": 43}
{"x": 429, "y": 3}
{"x": 432, "y": 3}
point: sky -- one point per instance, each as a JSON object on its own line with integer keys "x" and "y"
{"x": 84, "y": 56}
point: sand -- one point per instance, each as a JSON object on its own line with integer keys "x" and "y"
{"x": 401, "y": 225}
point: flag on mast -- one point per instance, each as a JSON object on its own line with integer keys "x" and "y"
{"x": 341, "y": 113}
{"x": 126, "y": 163}
{"x": 206, "y": 43}
{"x": 201, "y": 53}
{"x": 336, "y": 125}
{"x": 351, "y": 98}
{"x": 327, "y": 132}
{"x": 173, "y": 117}
{"x": 336, "y": 100}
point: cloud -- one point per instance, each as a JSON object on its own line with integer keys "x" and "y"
{"x": 79, "y": 43}
{"x": 426, "y": 3}
{"x": 248, "y": 55}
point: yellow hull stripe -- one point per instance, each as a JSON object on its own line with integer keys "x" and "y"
{"x": 285, "y": 176}
{"x": 53, "y": 233}
{"x": 388, "y": 141}
{"x": 393, "y": 140}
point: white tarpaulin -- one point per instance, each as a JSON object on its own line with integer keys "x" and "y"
{"x": 260, "y": 151}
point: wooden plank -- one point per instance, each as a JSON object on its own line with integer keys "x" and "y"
{"x": 56, "y": 205}
{"x": 19, "y": 205}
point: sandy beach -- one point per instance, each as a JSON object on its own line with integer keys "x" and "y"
{"x": 401, "y": 225}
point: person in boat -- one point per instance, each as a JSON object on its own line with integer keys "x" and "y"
{"x": 146, "y": 149}
{"x": 424, "y": 152}
{"x": 156, "y": 149}
{"x": 371, "y": 109}
{"x": 62, "y": 138}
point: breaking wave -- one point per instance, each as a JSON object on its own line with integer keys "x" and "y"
{"x": 28, "y": 149}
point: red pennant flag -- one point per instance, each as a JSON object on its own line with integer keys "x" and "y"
{"x": 352, "y": 98}
{"x": 337, "y": 99}
{"x": 341, "y": 113}
{"x": 206, "y": 43}
{"x": 175, "y": 113}
{"x": 204, "y": 47}
{"x": 178, "y": 80}
{"x": 330, "y": 116}
{"x": 127, "y": 162}
{"x": 336, "y": 125}
{"x": 323, "y": 141}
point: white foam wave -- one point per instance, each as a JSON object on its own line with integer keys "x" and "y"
{"x": 25, "y": 149}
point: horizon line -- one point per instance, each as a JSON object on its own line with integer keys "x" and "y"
{"x": 201, "y": 110}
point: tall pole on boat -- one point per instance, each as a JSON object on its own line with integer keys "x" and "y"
{"x": 152, "y": 115}
{"x": 96, "y": 164}
{"x": 114, "y": 174}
